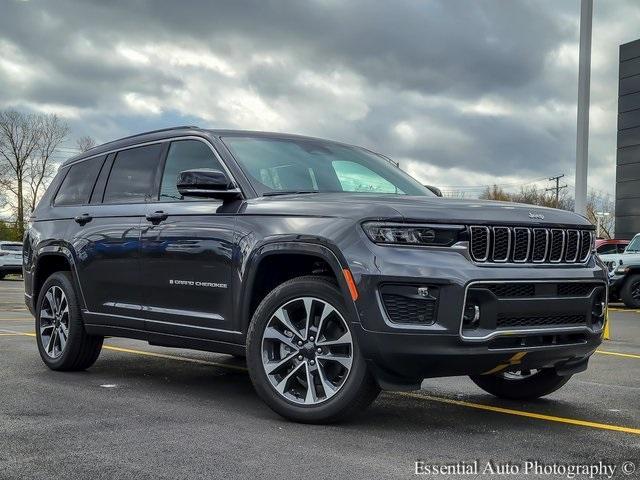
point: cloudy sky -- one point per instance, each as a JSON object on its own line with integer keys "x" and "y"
{"x": 463, "y": 93}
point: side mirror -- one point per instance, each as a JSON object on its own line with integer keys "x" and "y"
{"x": 206, "y": 183}
{"x": 435, "y": 190}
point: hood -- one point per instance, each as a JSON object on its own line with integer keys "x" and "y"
{"x": 413, "y": 209}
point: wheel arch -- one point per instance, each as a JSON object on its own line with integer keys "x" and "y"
{"x": 279, "y": 253}
{"x": 50, "y": 260}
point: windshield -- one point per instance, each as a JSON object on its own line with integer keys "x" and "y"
{"x": 285, "y": 165}
{"x": 634, "y": 246}
{"x": 11, "y": 247}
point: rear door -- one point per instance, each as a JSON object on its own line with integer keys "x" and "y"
{"x": 107, "y": 236}
{"x": 187, "y": 251}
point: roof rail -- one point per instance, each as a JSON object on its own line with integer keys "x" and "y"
{"x": 181, "y": 127}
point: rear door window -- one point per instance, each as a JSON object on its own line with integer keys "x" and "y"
{"x": 78, "y": 183}
{"x": 133, "y": 175}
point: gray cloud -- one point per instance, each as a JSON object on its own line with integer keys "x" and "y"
{"x": 462, "y": 91}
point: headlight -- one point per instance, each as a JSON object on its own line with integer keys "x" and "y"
{"x": 622, "y": 270}
{"x": 404, "y": 234}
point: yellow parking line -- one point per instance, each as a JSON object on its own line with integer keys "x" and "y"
{"x": 9, "y": 334}
{"x": 618, "y": 354}
{"x": 632, "y": 310}
{"x": 522, "y": 413}
{"x": 450, "y": 401}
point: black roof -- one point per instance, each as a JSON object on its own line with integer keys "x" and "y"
{"x": 183, "y": 130}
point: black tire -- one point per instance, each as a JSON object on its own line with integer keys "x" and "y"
{"x": 2, "y": 275}
{"x": 630, "y": 292}
{"x": 81, "y": 350}
{"x": 537, "y": 385}
{"x": 359, "y": 389}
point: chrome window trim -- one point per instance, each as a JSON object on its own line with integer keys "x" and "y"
{"x": 161, "y": 141}
{"x": 516, "y": 331}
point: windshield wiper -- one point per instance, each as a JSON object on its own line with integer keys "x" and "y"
{"x": 287, "y": 192}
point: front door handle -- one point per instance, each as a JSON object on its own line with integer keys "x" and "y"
{"x": 83, "y": 219}
{"x": 157, "y": 217}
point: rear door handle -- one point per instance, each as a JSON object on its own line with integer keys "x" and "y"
{"x": 83, "y": 219}
{"x": 157, "y": 217}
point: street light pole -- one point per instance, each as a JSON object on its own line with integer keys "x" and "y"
{"x": 584, "y": 82}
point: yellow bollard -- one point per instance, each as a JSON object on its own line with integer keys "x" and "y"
{"x": 607, "y": 331}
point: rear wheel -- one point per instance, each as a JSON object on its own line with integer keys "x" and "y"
{"x": 303, "y": 360}
{"x": 521, "y": 384}
{"x": 62, "y": 340}
{"x": 630, "y": 292}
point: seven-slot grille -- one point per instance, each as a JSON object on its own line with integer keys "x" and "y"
{"x": 530, "y": 245}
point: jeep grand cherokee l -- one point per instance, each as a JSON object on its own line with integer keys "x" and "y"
{"x": 331, "y": 270}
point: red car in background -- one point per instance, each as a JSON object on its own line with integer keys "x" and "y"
{"x": 610, "y": 246}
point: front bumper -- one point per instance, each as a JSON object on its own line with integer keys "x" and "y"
{"x": 401, "y": 355}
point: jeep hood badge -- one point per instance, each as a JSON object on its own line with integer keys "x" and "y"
{"x": 537, "y": 216}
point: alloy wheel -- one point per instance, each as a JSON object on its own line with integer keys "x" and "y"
{"x": 307, "y": 350}
{"x": 635, "y": 291}
{"x": 54, "y": 322}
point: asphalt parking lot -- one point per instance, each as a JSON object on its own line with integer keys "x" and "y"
{"x": 148, "y": 412}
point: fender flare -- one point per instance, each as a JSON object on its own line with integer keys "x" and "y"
{"x": 57, "y": 251}
{"x": 334, "y": 259}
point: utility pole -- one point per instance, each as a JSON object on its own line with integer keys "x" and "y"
{"x": 556, "y": 188}
{"x": 584, "y": 82}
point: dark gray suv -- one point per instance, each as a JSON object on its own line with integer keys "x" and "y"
{"x": 331, "y": 270}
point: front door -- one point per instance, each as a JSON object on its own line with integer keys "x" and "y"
{"x": 187, "y": 252}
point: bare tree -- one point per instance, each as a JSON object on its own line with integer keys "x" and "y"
{"x": 18, "y": 141}
{"x": 597, "y": 206}
{"x": 529, "y": 195}
{"x": 27, "y": 142}
{"x": 85, "y": 143}
{"x": 52, "y": 132}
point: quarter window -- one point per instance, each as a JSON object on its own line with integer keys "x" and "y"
{"x": 78, "y": 183}
{"x": 185, "y": 155}
{"x": 132, "y": 175}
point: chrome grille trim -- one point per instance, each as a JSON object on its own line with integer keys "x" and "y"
{"x": 562, "y": 234}
{"x": 542, "y": 245}
{"x": 570, "y": 244}
{"x": 506, "y": 257}
{"x": 516, "y": 245}
{"x": 546, "y": 245}
{"x": 472, "y": 244}
{"x": 586, "y": 252}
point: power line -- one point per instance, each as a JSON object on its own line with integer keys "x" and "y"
{"x": 556, "y": 188}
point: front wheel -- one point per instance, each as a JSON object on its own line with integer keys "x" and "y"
{"x": 521, "y": 384}
{"x": 303, "y": 360}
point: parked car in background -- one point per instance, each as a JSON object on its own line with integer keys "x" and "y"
{"x": 630, "y": 255}
{"x": 609, "y": 246}
{"x": 10, "y": 258}
{"x": 625, "y": 284}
